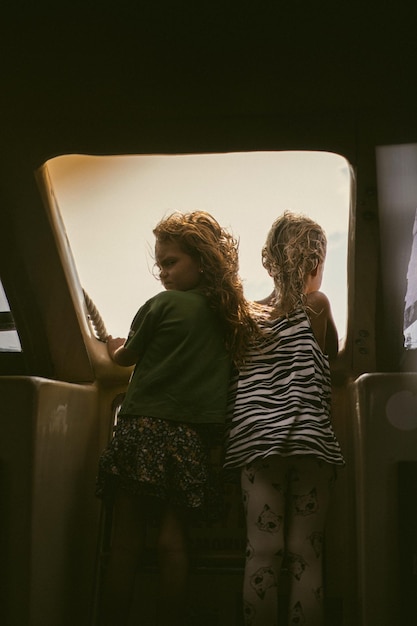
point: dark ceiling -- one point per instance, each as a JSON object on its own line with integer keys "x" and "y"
{"x": 168, "y": 74}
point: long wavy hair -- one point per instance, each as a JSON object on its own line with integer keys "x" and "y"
{"x": 217, "y": 251}
{"x": 294, "y": 247}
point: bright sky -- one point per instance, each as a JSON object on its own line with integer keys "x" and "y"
{"x": 110, "y": 205}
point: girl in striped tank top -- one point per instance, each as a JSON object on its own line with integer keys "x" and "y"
{"x": 281, "y": 435}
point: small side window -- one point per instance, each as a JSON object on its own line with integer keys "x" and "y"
{"x": 9, "y": 339}
{"x": 397, "y": 214}
{"x": 410, "y": 311}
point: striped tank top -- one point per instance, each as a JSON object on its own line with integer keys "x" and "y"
{"x": 280, "y": 401}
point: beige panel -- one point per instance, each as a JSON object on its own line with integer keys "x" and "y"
{"x": 48, "y": 458}
{"x": 385, "y": 410}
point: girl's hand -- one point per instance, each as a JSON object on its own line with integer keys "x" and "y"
{"x": 118, "y": 353}
{"x": 113, "y": 343}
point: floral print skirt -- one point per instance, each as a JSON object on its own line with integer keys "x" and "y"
{"x": 173, "y": 462}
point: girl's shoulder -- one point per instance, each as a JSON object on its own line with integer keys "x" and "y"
{"x": 160, "y": 301}
{"x": 317, "y": 303}
{"x": 184, "y": 303}
{"x": 172, "y": 295}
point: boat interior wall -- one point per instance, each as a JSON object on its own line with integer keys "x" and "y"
{"x": 385, "y": 455}
{"x": 48, "y": 450}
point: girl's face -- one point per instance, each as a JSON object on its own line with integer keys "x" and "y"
{"x": 177, "y": 269}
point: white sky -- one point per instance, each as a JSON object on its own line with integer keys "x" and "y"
{"x": 110, "y": 205}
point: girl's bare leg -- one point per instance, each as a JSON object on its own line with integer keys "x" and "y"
{"x": 173, "y": 568}
{"x": 126, "y": 550}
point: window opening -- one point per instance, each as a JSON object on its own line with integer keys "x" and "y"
{"x": 397, "y": 199}
{"x": 410, "y": 312}
{"x": 110, "y": 204}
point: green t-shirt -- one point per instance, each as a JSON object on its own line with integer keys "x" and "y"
{"x": 183, "y": 367}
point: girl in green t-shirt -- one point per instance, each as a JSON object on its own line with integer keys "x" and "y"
{"x": 183, "y": 343}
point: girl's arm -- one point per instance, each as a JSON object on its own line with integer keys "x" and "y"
{"x": 118, "y": 353}
{"x": 322, "y": 323}
{"x": 332, "y": 339}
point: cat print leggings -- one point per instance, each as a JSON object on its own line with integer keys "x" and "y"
{"x": 286, "y": 501}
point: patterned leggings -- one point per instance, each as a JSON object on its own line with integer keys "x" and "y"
{"x": 286, "y": 501}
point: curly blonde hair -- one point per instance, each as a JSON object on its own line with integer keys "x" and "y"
{"x": 200, "y": 235}
{"x": 294, "y": 247}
